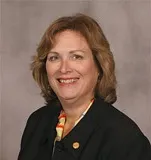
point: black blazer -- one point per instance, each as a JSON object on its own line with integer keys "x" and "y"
{"x": 103, "y": 134}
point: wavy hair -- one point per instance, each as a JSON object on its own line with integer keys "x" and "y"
{"x": 103, "y": 57}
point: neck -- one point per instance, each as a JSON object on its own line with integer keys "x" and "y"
{"x": 74, "y": 109}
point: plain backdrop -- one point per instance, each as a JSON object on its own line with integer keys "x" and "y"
{"x": 127, "y": 26}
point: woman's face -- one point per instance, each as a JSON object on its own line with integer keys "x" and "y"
{"x": 71, "y": 70}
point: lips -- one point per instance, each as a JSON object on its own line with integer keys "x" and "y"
{"x": 67, "y": 80}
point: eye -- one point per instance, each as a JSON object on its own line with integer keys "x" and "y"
{"x": 53, "y": 58}
{"x": 77, "y": 57}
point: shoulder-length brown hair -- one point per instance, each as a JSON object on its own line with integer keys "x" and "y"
{"x": 90, "y": 29}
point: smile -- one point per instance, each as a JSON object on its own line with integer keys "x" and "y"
{"x": 67, "y": 81}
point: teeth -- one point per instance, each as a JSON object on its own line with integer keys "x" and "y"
{"x": 67, "y": 81}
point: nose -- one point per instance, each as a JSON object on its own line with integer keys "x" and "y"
{"x": 65, "y": 66}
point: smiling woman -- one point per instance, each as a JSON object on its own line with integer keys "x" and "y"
{"x": 74, "y": 68}
{"x": 72, "y": 72}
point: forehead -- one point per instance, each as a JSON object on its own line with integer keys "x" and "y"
{"x": 70, "y": 40}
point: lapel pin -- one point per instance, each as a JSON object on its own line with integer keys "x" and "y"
{"x": 76, "y": 145}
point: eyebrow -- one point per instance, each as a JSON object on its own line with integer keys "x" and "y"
{"x": 71, "y": 52}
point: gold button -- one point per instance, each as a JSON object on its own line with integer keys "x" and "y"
{"x": 76, "y": 145}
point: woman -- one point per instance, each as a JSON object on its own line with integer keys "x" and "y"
{"x": 74, "y": 68}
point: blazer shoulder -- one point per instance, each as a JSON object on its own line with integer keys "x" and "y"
{"x": 31, "y": 124}
{"x": 122, "y": 134}
{"x": 40, "y": 117}
{"x": 46, "y": 110}
{"x": 116, "y": 118}
{"x": 39, "y": 112}
{"x": 116, "y": 122}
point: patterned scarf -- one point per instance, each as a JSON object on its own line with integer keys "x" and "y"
{"x": 62, "y": 120}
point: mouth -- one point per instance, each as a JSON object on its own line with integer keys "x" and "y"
{"x": 67, "y": 80}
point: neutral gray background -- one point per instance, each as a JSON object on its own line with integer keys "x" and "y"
{"x": 127, "y": 25}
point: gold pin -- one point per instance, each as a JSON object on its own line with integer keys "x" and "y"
{"x": 76, "y": 145}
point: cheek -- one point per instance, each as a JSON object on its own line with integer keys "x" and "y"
{"x": 90, "y": 70}
{"x": 50, "y": 69}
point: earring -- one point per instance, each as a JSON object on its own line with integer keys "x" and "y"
{"x": 99, "y": 77}
{"x": 49, "y": 88}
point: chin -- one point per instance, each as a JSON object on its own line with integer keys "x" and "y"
{"x": 68, "y": 98}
